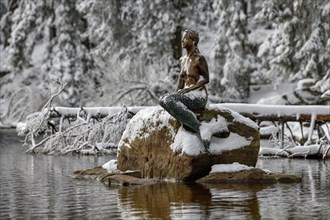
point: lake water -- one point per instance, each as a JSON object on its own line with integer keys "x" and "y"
{"x": 39, "y": 187}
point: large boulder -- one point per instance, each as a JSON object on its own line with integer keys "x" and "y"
{"x": 157, "y": 145}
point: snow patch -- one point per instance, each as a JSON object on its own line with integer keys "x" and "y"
{"x": 38, "y": 53}
{"x": 313, "y": 149}
{"x": 218, "y": 124}
{"x": 269, "y": 130}
{"x": 265, "y": 151}
{"x": 237, "y": 116}
{"x": 110, "y": 166}
{"x": 258, "y": 92}
{"x": 144, "y": 122}
{"x": 190, "y": 144}
{"x": 229, "y": 168}
{"x": 21, "y": 127}
{"x": 187, "y": 142}
{"x": 234, "y": 141}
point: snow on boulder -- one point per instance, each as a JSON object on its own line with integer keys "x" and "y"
{"x": 110, "y": 166}
{"x": 157, "y": 145}
{"x": 229, "y": 168}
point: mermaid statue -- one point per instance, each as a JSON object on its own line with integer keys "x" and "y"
{"x": 191, "y": 93}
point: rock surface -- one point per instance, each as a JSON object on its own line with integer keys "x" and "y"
{"x": 157, "y": 145}
{"x": 251, "y": 176}
{"x": 127, "y": 178}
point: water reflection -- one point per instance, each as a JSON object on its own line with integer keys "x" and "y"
{"x": 158, "y": 200}
{"x": 308, "y": 198}
{"x": 235, "y": 200}
{"x": 193, "y": 201}
{"x": 39, "y": 187}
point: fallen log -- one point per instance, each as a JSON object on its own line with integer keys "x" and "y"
{"x": 255, "y": 112}
{"x": 281, "y": 113}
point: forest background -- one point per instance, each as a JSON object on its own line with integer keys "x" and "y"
{"x": 114, "y": 53}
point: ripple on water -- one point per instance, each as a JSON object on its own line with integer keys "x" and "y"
{"x": 39, "y": 187}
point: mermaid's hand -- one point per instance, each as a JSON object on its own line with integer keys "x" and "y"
{"x": 183, "y": 91}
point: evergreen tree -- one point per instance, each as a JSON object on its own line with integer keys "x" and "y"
{"x": 231, "y": 54}
{"x": 68, "y": 58}
{"x": 277, "y": 51}
{"x": 313, "y": 56}
{"x": 53, "y": 32}
{"x": 297, "y": 47}
{"x": 24, "y": 22}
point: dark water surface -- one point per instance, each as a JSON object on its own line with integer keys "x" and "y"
{"x": 39, "y": 187}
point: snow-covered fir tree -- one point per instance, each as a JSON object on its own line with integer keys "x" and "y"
{"x": 232, "y": 63}
{"x": 297, "y": 47}
{"x": 221, "y": 47}
{"x": 67, "y": 56}
{"x": 25, "y": 20}
{"x": 277, "y": 51}
{"x": 45, "y": 44}
{"x": 314, "y": 55}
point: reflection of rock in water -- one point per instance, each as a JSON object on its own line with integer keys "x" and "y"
{"x": 235, "y": 198}
{"x": 157, "y": 200}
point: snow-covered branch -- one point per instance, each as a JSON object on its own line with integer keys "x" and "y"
{"x": 79, "y": 133}
{"x": 90, "y": 112}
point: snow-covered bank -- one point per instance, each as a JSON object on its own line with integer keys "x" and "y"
{"x": 309, "y": 151}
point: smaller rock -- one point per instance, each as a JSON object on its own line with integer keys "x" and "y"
{"x": 92, "y": 173}
{"x": 285, "y": 178}
{"x": 127, "y": 178}
{"x": 249, "y": 176}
